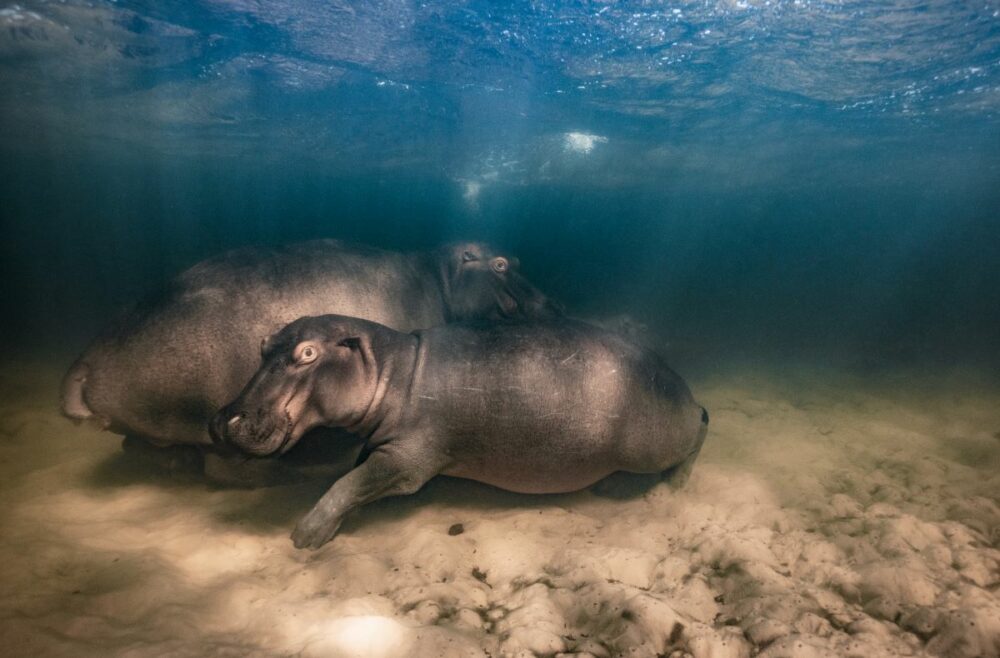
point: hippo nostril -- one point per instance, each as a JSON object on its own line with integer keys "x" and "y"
{"x": 221, "y": 425}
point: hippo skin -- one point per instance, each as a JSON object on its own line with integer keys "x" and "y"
{"x": 532, "y": 407}
{"x": 162, "y": 370}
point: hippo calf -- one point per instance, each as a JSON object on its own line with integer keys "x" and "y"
{"x": 543, "y": 407}
{"x": 161, "y": 371}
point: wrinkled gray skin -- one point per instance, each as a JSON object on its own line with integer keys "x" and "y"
{"x": 542, "y": 407}
{"x": 162, "y": 371}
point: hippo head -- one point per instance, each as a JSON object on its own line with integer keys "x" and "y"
{"x": 480, "y": 283}
{"x": 329, "y": 354}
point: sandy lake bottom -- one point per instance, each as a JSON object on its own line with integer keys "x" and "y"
{"x": 828, "y": 515}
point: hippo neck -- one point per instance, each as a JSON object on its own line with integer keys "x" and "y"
{"x": 393, "y": 358}
{"x": 430, "y": 283}
{"x": 434, "y": 268}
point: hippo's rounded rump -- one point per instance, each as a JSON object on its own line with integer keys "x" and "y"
{"x": 551, "y": 407}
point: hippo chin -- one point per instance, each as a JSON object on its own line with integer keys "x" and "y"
{"x": 541, "y": 407}
{"x": 162, "y": 371}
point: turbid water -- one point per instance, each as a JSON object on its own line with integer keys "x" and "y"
{"x": 796, "y": 202}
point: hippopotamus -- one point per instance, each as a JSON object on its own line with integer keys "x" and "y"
{"x": 532, "y": 407}
{"x": 160, "y": 372}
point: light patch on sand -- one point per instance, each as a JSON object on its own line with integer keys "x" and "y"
{"x": 826, "y": 517}
{"x": 367, "y": 636}
{"x": 579, "y": 142}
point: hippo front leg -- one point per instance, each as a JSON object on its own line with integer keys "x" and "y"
{"x": 389, "y": 471}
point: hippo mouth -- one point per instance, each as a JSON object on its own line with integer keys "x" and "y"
{"x": 276, "y": 434}
{"x": 261, "y": 433}
{"x": 287, "y": 436}
{"x": 290, "y": 436}
{"x": 518, "y": 298}
{"x": 509, "y": 306}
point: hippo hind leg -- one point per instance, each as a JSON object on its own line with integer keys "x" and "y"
{"x": 678, "y": 475}
{"x": 172, "y": 460}
{"x": 220, "y": 469}
{"x": 625, "y": 485}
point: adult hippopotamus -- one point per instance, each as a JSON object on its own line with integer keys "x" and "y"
{"x": 541, "y": 407}
{"x": 163, "y": 370}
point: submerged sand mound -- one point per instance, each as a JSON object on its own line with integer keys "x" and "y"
{"x": 827, "y": 517}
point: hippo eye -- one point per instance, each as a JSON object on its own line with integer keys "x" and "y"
{"x": 306, "y": 353}
{"x": 468, "y": 256}
{"x": 500, "y": 265}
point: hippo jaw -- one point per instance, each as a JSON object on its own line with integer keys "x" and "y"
{"x": 279, "y": 404}
{"x": 528, "y": 301}
{"x": 272, "y": 434}
{"x": 478, "y": 283}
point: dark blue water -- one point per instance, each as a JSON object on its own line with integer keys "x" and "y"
{"x": 750, "y": 179}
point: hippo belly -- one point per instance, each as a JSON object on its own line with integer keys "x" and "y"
{"x": 534, "y": 476}
{"x": 549, "y": 460}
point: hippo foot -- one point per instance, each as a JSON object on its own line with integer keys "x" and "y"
{"x": 624, "y": 486}
{"x": 172, "y": 460}
{"x": 394, "y": 471}
{"x": 678, "y": 476}
{"x": 314, "y": 530}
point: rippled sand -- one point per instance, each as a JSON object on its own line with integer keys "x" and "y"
{"x": 828, "y": 516}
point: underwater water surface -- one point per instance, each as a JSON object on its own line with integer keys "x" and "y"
{"x": 796, "y": 202}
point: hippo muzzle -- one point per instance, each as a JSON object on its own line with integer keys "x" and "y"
{"x": 259, "y": 433}
{"x": 528, "y": 301}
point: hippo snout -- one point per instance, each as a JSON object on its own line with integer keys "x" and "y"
{"x": 256, "y": 432}
{"x": 74, "y": 402}
{"x": 531, "y": 302}
{"x": 233, "y": 426}
{"x": 220, "y": 423}
{"x": 544, "y": 308}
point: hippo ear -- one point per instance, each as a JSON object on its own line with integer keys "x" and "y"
{"x": 267, "y": 343}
